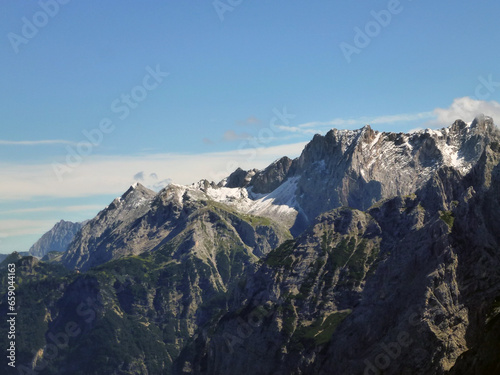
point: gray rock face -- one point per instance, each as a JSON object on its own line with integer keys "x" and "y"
{"x": 155, "y": 302}
{"x": 410, "y": 286}
{"x": 303, "y": 288}
{"x": 142, "y": 221}
{"x": 273, "y": 176}
{"x": 107, "y": 234}
{"x": 57, "y": 239}
{"x": 239, "y": 178}
{"x": 357, "y": 168}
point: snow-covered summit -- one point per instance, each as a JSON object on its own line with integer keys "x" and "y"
{"x": 352, "y": 168}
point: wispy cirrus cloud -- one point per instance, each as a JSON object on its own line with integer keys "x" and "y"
{"x": 102, "y": 175}
{"x": 320, "y": 126}
{"x": 12, "y": 228}
{"x": 465, "y": 108}
{"x": 75, "y": 208}
{"x": 36, "y": 143}
{"x": 298, "y": 129}
{"x": 230, "y": 135}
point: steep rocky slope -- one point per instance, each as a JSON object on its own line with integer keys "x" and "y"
{"x": 134, "y": 314}
{"x": 142, "y": 220}
{"x": 356, "y": 168}
{"x": 56, "y": 239}
{"x": 406, "y": 287}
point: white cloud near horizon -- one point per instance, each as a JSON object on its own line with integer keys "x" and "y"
{"x": 111, "y": 175}
{"x": 465, "y": 109}
{"x": 100, "y": 175}
{"x": 13, "y": 228}
{"x": 75, "y": 208}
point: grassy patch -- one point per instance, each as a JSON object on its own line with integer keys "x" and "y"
{"x": 319, "y": 332}
{"x": 448, "y": 218}
{"x": 281, "y": 256}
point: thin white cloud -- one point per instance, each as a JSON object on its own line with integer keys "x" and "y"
{"x": 409, "y": 117}
{"x": 207, "y": 141}
{"x": 77, "y": 208}
{"x": 365, "y": 120}
{"x": 231, "y": 135}
{"x": 36, "y": 143}
{"x": 298, "y": 129}
{"x": 12, "y": 228}
{"x": 465, "y": 109}
{"x": 332, "y": 123}
{"x": 99, "y": 175}
{"x": 250, "y": 121}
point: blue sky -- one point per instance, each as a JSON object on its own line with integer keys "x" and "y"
{"x": 185, "y": 90}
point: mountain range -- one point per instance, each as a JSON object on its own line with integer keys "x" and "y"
{"x": 370, "y": 253}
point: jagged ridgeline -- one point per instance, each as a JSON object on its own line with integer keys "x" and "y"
{"x": 371, "y": 253}
{"x": 56, "y": 240}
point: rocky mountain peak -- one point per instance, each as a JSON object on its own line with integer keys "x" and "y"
{"x": 458, "y": 126}
{"x": 137, "y": 189}
{"x": 136, "y": 195}
{"x": 356, "y": 168}
{"x": 272, "y": 177}
{"x": 57, "y": 239}
{"x": 484, "y": 125}
{"x": 239, "y": 178}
